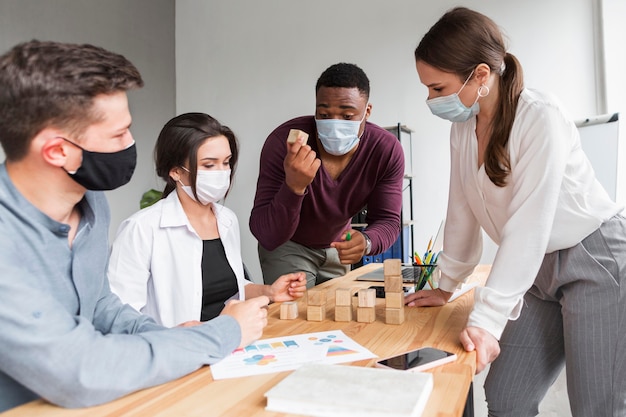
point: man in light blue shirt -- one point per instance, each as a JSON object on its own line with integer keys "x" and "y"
{"x": 64, "y": 127}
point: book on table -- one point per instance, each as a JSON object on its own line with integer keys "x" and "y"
{"x": 325, "y": 390}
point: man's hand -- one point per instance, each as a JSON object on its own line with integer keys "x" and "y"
{"x": 352, "y": 249}
{"x": 486, "y": 346}
{"x": 301, "y": 165}
{"x": 251, "y": 316}
{"x": 427, "y": 298}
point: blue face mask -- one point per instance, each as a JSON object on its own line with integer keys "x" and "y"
{"x": 451, "y": 108}
{"x": 338, "y": 136}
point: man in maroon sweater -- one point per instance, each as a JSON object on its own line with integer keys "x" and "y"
{"x": 308, "y": 191}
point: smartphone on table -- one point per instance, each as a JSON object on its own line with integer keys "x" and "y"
{"x": 417, "y": 360}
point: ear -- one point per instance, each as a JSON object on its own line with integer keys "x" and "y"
{"x": 368, "y": 110}
{"x": 482, "y": 73}
{"x": 54, "y": 149}
{"x": 175, "y": 174}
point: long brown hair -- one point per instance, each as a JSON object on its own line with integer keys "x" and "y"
{"x": 460, "y": 41}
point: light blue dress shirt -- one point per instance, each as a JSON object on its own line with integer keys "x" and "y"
{"x": 63, "y": 335}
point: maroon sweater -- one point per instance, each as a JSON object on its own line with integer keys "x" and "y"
{"x": 373, "y": 177}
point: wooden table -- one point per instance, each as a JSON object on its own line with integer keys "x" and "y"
{"x": 197, "y": 394}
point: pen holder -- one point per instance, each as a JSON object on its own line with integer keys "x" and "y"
{"x": 423, "y": 274}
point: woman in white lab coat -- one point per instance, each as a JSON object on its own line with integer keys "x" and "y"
{"x": 179, "y": 260}
{"x": 556, "y": 293}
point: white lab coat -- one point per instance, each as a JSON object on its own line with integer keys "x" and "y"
{"x": 156, "y": 257}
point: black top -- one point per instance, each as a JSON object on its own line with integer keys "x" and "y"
{"x": 219, "y": 282}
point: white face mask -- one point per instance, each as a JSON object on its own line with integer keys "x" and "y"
{"x": 338, "y": 136}
{"x": 451, "y": 108}
{"x": 211, "y": 186}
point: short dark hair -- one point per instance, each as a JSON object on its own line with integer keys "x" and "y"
{"x": 345, "y": 76}
{"x": 45, "y": 83}
{"x": 179, "y": 141}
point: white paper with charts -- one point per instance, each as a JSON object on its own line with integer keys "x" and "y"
{"x": 290, "y": 352}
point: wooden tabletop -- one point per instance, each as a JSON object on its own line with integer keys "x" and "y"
{"x": 197, "y": 394}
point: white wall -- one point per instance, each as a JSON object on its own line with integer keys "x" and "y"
{"x": 254, "y": 65}
{"x": 141, "y": 30}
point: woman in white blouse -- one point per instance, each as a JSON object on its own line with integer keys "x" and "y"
{"x": 179, "y": 260}
{"x": 556, "y": 293}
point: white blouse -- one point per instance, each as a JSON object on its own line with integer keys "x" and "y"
{"x": 155, "y": 263}
{"x": 551, "y": 201}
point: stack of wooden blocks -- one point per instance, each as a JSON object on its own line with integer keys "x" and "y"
{"x": 366, "y": 307}
{"x": 316, "y": 304}
{"x": 394, "y": 291}
{"x": 343, "y": 304}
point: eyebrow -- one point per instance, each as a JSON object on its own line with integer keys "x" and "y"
{"x": 344, "y": 106}
{"x": 209, "y": 158}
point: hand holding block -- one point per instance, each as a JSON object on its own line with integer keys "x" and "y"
{"x": 343, "y": 297}
{"x": 367, "y": 297}
{"x": 316, "y": 297}
{"x": 392, "y": 267}
{"x": 289, "y": 310}
{"x": 295, "y": 134}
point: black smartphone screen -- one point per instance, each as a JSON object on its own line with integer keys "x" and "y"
{"x": 415, "y": 358}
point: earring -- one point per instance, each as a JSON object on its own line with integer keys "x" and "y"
{"x": 483, "y": 91}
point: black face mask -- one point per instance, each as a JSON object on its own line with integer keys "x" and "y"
{"x": 105, "y": 171}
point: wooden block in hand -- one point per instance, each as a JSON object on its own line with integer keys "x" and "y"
{"x": 316, "y": 313}
{"x": 289, "y": 310}
{"x": 316, "y": 297}
{"x": 366, "y": 297}
{"x": 393, "y": 283}
{"x": 394, "y": 299}
{"x": 294, "y": 134}
{"x": 392, "y": 267}
{"x": 394, "y": 315}
{"x": 365, "y": 314}
{"x": 343, "y": 297}
{"x": 343, "y": 313}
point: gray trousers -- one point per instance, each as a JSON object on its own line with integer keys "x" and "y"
{"x": 574, "y": 315}
{"x": 319, "y": 264}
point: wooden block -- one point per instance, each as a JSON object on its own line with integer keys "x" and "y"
{"x": 365, "y": 314}
{"x": 289, "y": 310}
{"x": 366, "y": 297}
{"x": 392, "y": 267}
{"x": 316, "y": 297}
{"x": 393, "y": 283}
{"x": 295, "y": 134}
{"x": 343, "y": 313}
{"x": 316, "y": 313}
{"x": 394, "y": 299}
{"x": 394, "y": 315}
{"x": 343, "y": 297}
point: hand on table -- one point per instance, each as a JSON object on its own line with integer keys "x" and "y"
{"x": 427, "y": 298}
{"x": 484, "y": 343}
{"x": 251, "y": 316}
{"x": 288, "y": 287}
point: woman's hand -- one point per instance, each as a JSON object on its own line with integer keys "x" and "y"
{"x": 288, "y": 287}
{"x": 484, "y": 343}
{"x": 427, "y": 298}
